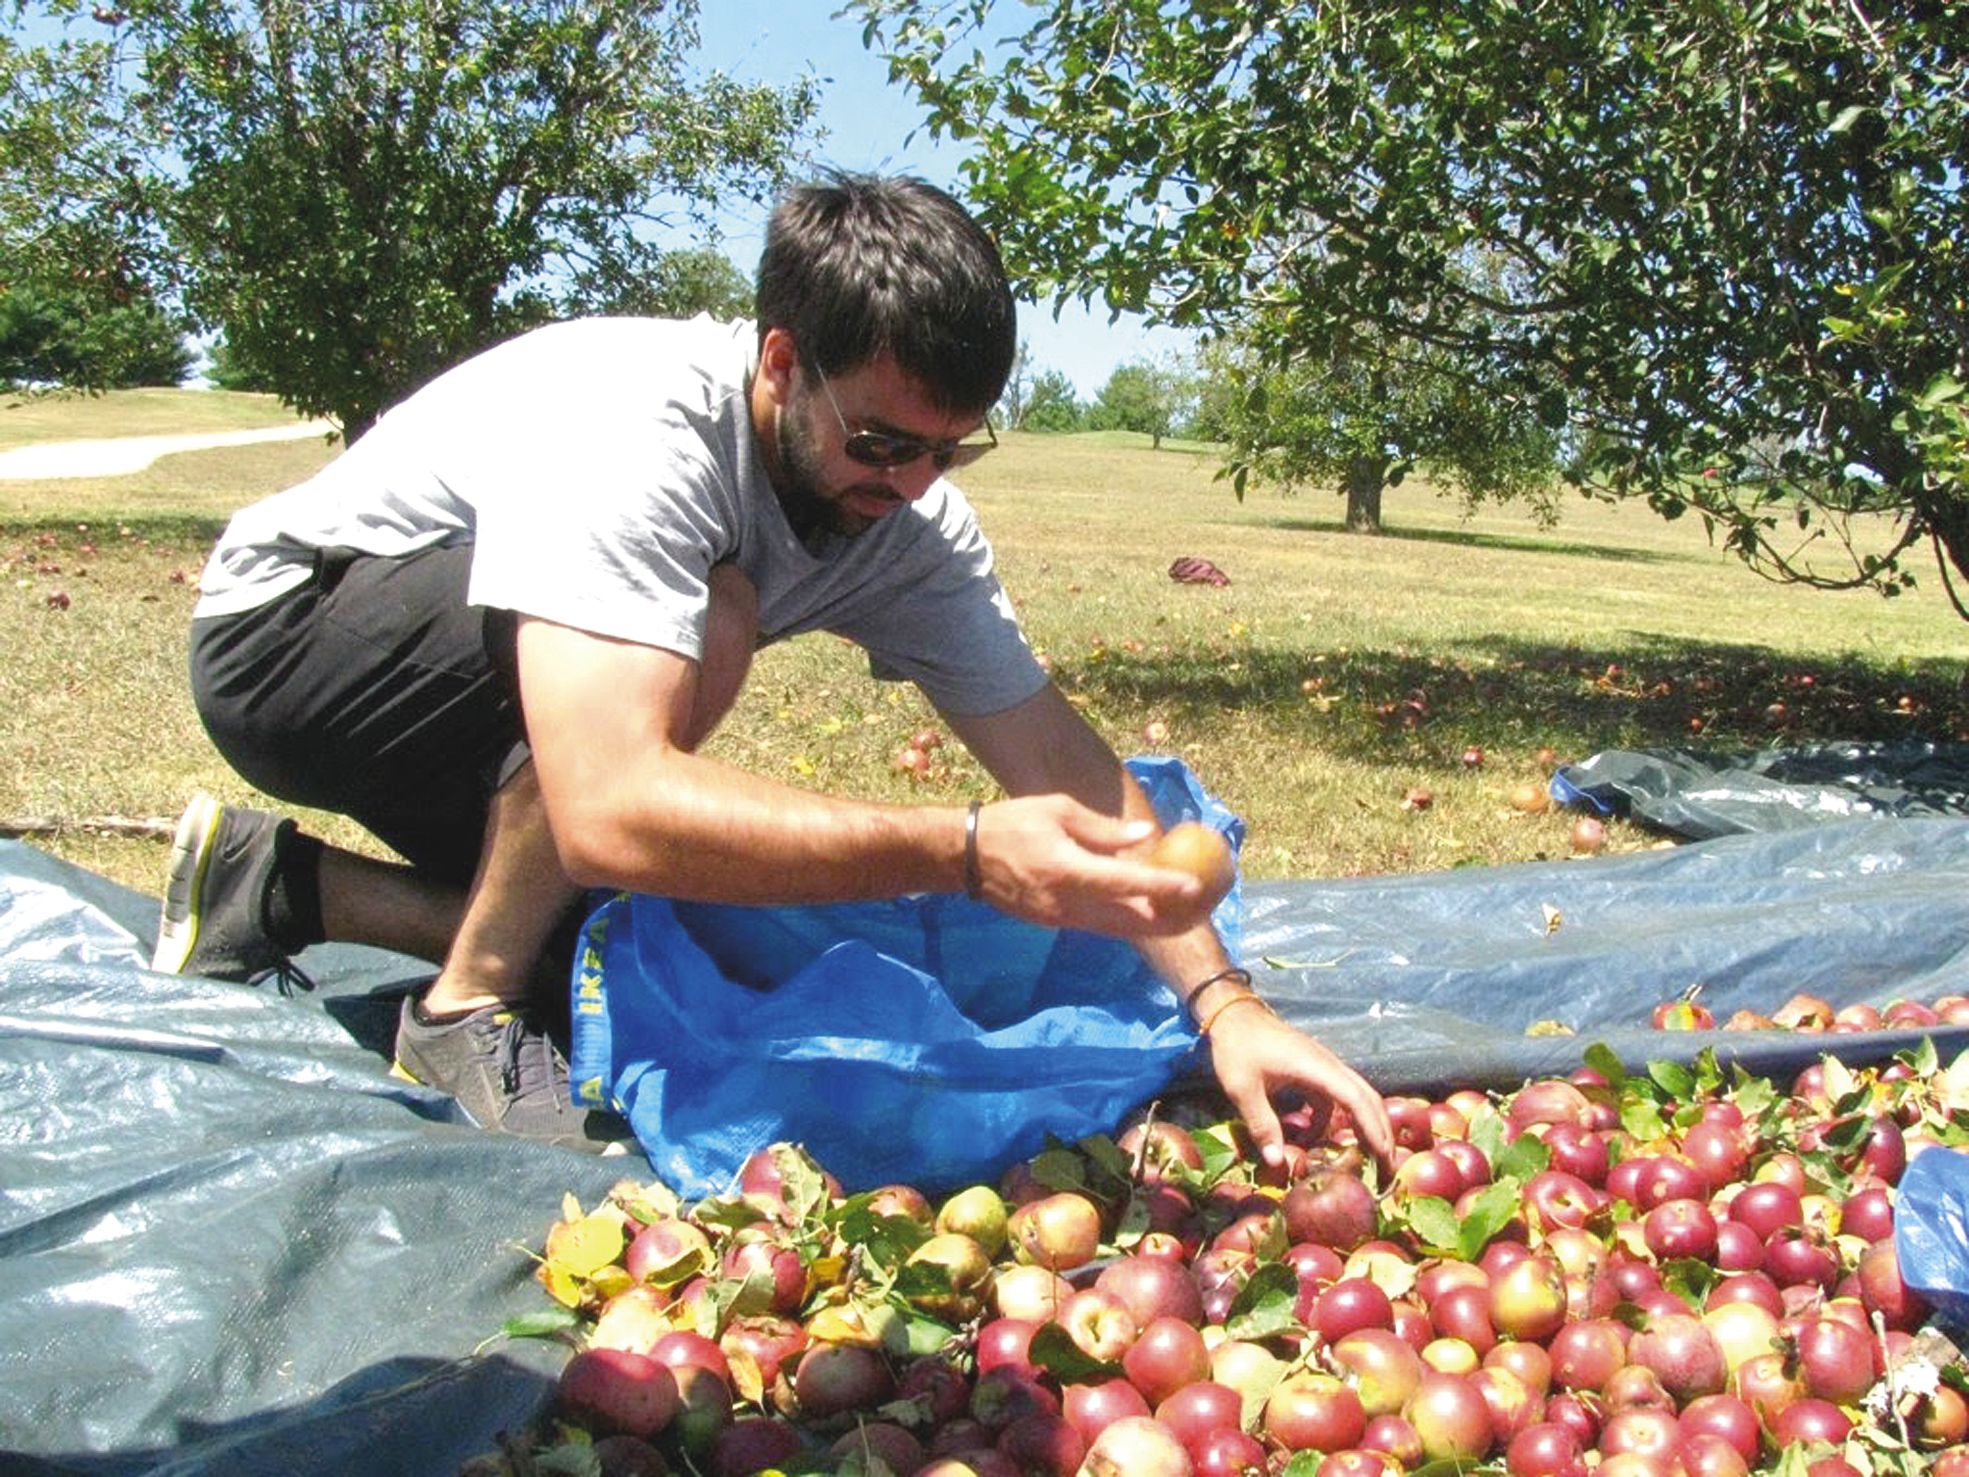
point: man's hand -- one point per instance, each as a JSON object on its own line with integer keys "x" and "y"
{"x": 1256, "y": 1055}
{"x": 1053, "y": 861}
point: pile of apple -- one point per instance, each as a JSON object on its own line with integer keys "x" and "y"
{"x": 1807, "y": 1012}
{"x": 1687, "y": 1272}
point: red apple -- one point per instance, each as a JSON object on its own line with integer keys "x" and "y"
{"x": 1450, "y": 1418}
{"x": 1166, "y": 1356}
{"x": 833, "y": 1378}
{"x": 1200, "y": 1410}
{"x": 1091, "y": 1408}
{"x": 1099, "y": 1324}
{"x": 1312, "y": 1411}
{"x": 1136, "y": 1446}
{"x": 1332, "y": 1208}
{"x": 616, "y": 1390}
{"x": 1545, "y": 1449}
{"x": 1040, "y": 1443}
{"x": 1683, "y": 1353}
{"x": 1153, "y": 1287}
{"x": 1585, "y": 1354}
{"x": 1383, "y": 1369}
{"x": 1351, "y": 1303}
{"x": 1060, "y": 1232}
{"x": 1529, "y": 1300}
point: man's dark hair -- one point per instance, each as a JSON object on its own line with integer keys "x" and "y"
{"x": 858, "y": 265}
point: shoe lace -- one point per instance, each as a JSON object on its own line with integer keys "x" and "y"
{"x": 525, "y": 1058}
{"x": 287, "y": 976}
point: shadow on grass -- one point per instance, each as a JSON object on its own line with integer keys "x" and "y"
{"x": 1382, "y": 705}
{"x": 109, "y": 529}
{"x": 1467, "y": 538}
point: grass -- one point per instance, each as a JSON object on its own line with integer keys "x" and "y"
{"x": 1332, "y": 675}
{"x": 66, "y": 415}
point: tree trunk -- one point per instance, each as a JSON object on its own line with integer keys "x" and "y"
{"x": 1366, "y": 476}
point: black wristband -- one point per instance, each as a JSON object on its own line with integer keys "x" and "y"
{"x": 973, "y": 872}
{"x": 1235, "y": 972}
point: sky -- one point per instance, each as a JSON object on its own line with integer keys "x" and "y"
{"x": 869, "y": 126}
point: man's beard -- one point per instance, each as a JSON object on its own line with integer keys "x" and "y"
{"x": 812, "y": 513}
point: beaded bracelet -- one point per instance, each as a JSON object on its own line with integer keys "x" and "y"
{"x": 1203, "y": 1028}
{"x": 973, "y": 870}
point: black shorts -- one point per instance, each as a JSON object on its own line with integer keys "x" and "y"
{"x": 374, "y": 691}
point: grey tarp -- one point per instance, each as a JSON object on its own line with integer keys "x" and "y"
{"x": 230, "y": 1244}
{"x": 1702, "y": 794}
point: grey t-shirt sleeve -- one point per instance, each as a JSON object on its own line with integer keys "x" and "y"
{"x": 615, "y": 546}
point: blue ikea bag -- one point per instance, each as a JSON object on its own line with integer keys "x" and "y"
{"x": 1931, "y": 1231}
{"x": 928, "y": 1039}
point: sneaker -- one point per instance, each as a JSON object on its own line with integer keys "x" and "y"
{"x": 214, "y": 920}
{"x": 507, "y": 1074}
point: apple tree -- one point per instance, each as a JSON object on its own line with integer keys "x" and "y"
{"x": 359, "y": 194}
{"x": 1148, "y": 398}
{"x": 1364, "y": 419}
{"x": 1718, "y": 248}
{"x": 1051, "y": 404}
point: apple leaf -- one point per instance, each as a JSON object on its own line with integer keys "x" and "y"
{"x": 648, "y": 1203}
{"x": 1753, "y": 1095}
{"x": 1601, "y": 1058}
{"x": 725, "y": 1213}
{"x": 1522, "y": 1158}
{"x": 583, "y": 1247}
{"x": 1493, "y": 1209}
{"x": 562, "y": 1285}
{"x": 549, "y": 1323}
{"x": 569, "y": 1459}
{"x": 1487, "y": 1132}
{"x": 1642, "y": 1119}
{"x": 1674, "y": 1079}
{"x": 886, "y": 1240}
{"x": 1709, "y": 1072}
{"x": 748, "y": 1380}
{"x": 1219, "y": 1150}
{"x": 1105, "y": 1154}
{"x": 1264, "y": 1305}
{"x": 1054, "y": 1351}
{"x": 610, "y": 1281}
{"x": 1921, "y": 1058}
{"x": 1689, "y": 1279}
{"x": 1059, "y": 1168}
{"x": 1433, "y": 1220}
{"x": 802, "y": 1187}
{"x": 1303, "y": 1464}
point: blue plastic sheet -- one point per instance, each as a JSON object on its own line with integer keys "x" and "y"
{"x": 928, "y": 1039}
{"x": 1931, "y": 1231}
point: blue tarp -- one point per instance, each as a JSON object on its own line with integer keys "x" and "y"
{"x": 229, "y": 1243}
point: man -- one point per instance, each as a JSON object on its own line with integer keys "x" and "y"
{"x": 497, "y": 629}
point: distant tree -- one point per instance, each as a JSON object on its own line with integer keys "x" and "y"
{"x": 1141, "y": 397}
{"x": 1731, "y": 236}
{"x": 358, "y": 194}
{"x": 78, "y": 303}
{"x": 1365, "y": 420}
{"x": 228, "y": 371}
{"x": 682, "y": 284}
{"x": 88, "y": 335}
{"x": 1051, "y": 404}
{"x": 1011, "y": 408}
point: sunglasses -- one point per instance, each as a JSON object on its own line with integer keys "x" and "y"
{"x": 881, "y": 449}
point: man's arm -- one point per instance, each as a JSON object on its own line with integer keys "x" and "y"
{"x": 631, "y": 805}
{"x": 1044, "y": 746}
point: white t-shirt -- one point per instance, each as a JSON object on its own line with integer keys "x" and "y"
{"x": 600, "y": 468}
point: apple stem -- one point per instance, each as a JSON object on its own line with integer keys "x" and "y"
{"x": 1892, "y": 1366}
